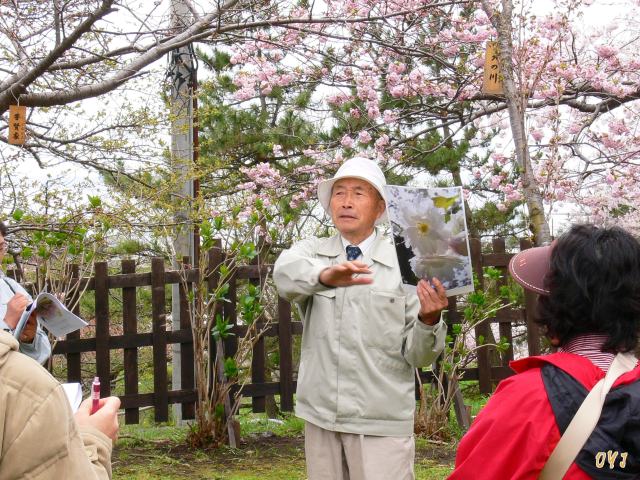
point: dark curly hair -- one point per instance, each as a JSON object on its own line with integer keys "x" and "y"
{"x": 3, "y": 229}
{"x": 594, "y": 280}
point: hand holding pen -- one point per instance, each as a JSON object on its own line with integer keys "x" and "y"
{"x": 95, "y": 395}
{"x": 105, "y": 419}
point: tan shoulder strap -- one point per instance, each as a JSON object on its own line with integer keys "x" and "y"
{"x": 585, "y": 420}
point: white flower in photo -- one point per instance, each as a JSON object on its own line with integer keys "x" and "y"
{"x": 424, "y": 228}
{"x": 458, "y": 238}
{"x": 439, "y": 266}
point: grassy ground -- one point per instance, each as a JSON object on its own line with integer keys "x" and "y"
{"x": 268, "y": 451}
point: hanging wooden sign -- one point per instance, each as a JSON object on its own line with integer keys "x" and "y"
{"x": 17, "y": 124}
{"x": 492, "y": 80}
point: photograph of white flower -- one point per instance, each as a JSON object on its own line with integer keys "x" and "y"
{"x": 430, "y": 235}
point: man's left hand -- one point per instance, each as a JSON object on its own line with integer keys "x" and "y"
{"x": 433, "y": 299}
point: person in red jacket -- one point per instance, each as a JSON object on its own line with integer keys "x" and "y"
{"x": 588, "y": 283}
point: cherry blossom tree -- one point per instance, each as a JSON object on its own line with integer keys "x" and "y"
{"x": 403, "y": 90}
{"x": 399, "y": 81}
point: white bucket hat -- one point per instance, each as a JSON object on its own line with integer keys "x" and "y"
{"x": 357, "y": 167}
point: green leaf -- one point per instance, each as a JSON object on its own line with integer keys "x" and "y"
{"x": 222, "y": 291}
{"x": 17, "y": 214}
{"x": 492, "y": 273}
{"x": 222, "y": 329}
{"x": 230, "y": 367}
{"x": 75, "y": 249}
{"x": 94, "y": 200}
{"x": 206, "y": 229}
{"x": 302, "y": 100}
{"x": 477, "y": 298}
{"x": 247, "y": 251}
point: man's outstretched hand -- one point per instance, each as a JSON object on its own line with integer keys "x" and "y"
{"x": 433, "y": 299}
{"x": 346, "y": 274}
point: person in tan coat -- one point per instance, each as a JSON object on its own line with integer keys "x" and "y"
{"x": 363, "y": 335}
{"x": 39, "y": 436}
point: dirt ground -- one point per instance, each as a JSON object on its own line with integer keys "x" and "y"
{"x": 261, "y": 456}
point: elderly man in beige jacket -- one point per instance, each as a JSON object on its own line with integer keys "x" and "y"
{"x": 363, "y": 335}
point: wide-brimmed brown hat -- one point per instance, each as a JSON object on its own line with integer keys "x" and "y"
{"x": 530, "y": 267}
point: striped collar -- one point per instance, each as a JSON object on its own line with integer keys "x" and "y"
{"x": 590, "y": 347}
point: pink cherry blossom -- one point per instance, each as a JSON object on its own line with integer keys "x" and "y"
{"x": 389, "y": 116}
{"x": 382, "y": 142}
{"x": 364, "y": 137}
{"x": 347, "y": 141}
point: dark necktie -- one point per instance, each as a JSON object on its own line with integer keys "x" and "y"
{"x": 353, "y": 252}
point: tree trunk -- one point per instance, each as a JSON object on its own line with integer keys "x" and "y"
{"x": 516, "y": 102}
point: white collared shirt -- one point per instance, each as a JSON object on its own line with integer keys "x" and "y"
{"x": 364, "y": 245}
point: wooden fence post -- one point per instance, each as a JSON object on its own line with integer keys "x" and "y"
{"x": 217, "y": 354}
{"x": 159, "y": 335}
{"x": 230, "y": 313}
{"x": 130, "y": 327}
{"x": 504, "y": 327}
{"x": 482, "y": 329}
{"x": 103, "y": 358}
{"x": 285, "y": 333}
{"x": 530, "y": 300}
{"x": 186, "y": 348}
{"x": 258, "y": 370}
{"x": 215, "y": 258}
{"x": 74, "y": 361}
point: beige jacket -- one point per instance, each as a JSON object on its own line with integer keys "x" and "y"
{"x": 360, "y": 344}
{"x": 39, "y": 438}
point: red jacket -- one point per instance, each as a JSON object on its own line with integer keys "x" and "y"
{"x": 514, "y": 434}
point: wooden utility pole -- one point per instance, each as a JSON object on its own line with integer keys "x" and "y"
{"x": 184, "y": 139}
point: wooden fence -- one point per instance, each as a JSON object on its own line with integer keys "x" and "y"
{"x": 159, "y": 338}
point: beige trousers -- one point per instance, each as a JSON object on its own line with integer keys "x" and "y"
{"x": 347, "y": 456}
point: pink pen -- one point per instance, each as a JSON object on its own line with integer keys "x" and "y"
{"x": 95, "y": 395}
